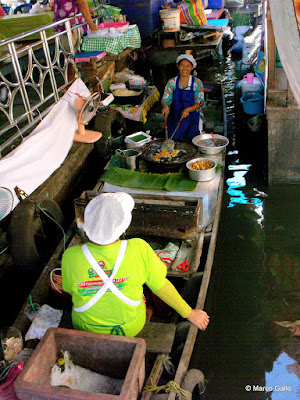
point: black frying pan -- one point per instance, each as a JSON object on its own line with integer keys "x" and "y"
{"x": 187, "y": 152}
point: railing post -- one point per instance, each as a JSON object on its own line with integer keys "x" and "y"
{"x": 49, "y": 63}
{"x": 18, "y": 72}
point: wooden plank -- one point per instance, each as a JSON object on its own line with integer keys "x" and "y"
{"x": 112, "y": 57}
{"x": 192, "y": 334}
{"x": 154, "y": 376}
{"x": 159, "y": 337}
{"x": 271, "y": 50}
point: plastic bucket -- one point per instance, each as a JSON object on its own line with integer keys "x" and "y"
{"x": 170, "y": 19}
{"x": 253, "y": 103}
{"x": 249, "y": 77}
{"x": 251, "y": 87}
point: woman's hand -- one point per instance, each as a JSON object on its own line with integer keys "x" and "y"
{"x": 199, "y": 318}
{"x": 165, "y": 111}
{"x": 185, "y": 113}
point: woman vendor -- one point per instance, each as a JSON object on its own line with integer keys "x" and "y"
{"x": 183, "y": 97}
{"x": 105, "y": 277}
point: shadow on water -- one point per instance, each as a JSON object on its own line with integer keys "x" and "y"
{"x": 245, "y": 354}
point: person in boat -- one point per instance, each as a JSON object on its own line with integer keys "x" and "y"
{"x": 182, "y": 99}
{"x": 105, "y": 276}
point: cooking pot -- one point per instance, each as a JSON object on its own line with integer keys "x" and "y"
{"x": 187, "y": 151}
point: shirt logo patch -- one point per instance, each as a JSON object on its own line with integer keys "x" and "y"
{"x": 92, "y": 273}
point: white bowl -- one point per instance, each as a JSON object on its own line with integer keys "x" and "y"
{"x": 210, "y": 149}
{"x": 201, "y": 175}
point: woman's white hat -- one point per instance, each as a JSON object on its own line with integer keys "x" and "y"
{"x": 188, "y": 57}
{"x": 107, "y": 216}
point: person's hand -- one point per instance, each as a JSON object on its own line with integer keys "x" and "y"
{"x": 185, "y": 113}
{"x": 165, "y": 111}
{"x": 94, "y": 28}
{"x": 199, "y": 318}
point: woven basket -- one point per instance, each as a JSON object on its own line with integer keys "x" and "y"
{"x": 56, "y": 280}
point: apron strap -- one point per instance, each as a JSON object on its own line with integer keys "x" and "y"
{"x": 108, "y": 281}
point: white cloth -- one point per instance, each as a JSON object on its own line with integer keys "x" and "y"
{"x": 107, "y": 216}
{"x": 188, "y": 57}
{"x": 47, "y": 146}
{"x": 47, "y": 317}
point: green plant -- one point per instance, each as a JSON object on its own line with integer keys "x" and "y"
{"x": 239, "y": 19}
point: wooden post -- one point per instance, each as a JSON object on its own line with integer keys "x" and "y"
{"x": 271, "y": 51}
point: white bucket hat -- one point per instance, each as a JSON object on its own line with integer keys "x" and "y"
{"x": 188, "y": 57}
{"x": 107, "y": 216}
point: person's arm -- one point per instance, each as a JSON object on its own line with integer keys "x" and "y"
{"x": 167, "y": 97}
{"x": 165, "y": 109}
{"x": 185, "y": 113}
{"x": 84, "y": 9}
{"x": 170, "y": 296}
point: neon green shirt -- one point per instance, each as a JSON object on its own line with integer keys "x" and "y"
{"x": 110, "y": 314}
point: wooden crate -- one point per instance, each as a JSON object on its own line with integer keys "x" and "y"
{"x": 158, "y": 215}
{"x": 115, "y": 356}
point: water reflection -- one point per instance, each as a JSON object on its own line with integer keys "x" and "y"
{"x": 237, "y": 196}
{"x": 283, "y": 379}
{"x": 255, "y": 279}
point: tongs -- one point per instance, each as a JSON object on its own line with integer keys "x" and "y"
{"x": 169, "y": 144}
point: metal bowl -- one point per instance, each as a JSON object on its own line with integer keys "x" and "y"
{"x": 201, "y": 175}
{"x": 210, "y": 149}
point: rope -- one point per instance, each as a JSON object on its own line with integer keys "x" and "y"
{"x": 170, "y": 387}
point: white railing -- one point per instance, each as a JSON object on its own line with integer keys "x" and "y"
{"x": 33, "y": 76}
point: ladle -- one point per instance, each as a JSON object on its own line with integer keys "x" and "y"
{"x": 169, "y": 144}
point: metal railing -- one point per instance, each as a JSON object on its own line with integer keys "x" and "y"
{"x": 33, "y": 77}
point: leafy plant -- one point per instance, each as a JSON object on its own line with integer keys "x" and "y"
{"x": 239, "y": 19}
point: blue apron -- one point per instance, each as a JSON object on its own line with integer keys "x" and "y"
{"x": 189, "y": 126}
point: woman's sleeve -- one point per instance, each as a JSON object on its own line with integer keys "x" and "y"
{"x": 168, "y": 92}
{"x": 198, "y": 92}
{"x": 170, "y": 296}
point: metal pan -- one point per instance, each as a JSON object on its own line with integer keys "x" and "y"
{"x": 188, "y": 151}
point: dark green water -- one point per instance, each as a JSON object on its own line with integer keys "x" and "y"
{"x": 245, "y": 354}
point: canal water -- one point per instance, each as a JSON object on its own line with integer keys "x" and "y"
{"x": 245, "y": 353}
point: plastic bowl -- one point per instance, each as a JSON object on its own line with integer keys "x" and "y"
{"x": 201, "y": 175}
{"x": 210, "y": 149}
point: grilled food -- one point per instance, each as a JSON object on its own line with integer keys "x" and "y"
{"x": 201, "y": 165}
{"x": 165, "y": 155}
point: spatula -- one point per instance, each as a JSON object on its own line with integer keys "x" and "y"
{"x": 169, "y": 144}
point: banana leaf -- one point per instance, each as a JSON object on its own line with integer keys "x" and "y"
{"x": 134, "y": 179}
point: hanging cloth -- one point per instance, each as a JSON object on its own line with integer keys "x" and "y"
{"x": 108, "y": 281}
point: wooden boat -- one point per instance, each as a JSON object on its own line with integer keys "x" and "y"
{"x": 166, "y": 334}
